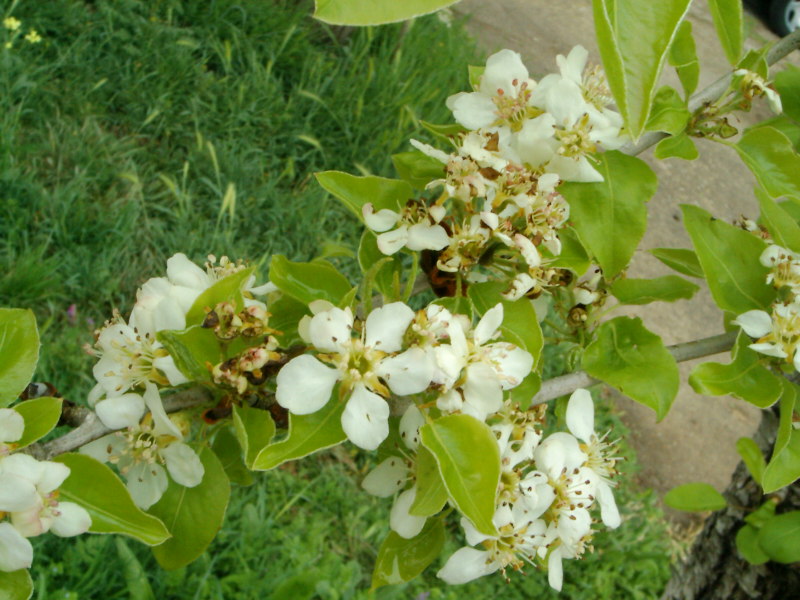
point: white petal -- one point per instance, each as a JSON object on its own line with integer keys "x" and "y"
{"x": 24, "y": 466}
{"x": 380, "y": 221}
{"x": 512, "y": 364}
{"x": 386, "y": 326}
{"x": 427, "y": 237}
{"x": 429, "y": 150}
{"x": 473, "y": 110}
{"x": 16, "y": 493}
{"x": 33, "y": 521}
{"x": 330, "y": 330}
{"x": 101, "y": 449}
{"x": 483, "y": 394}
{"x": 756, "y": 323}
{"x": 474, "y": 537}
{"x": 182, "y": 271}
{"x": 407, "y": 373}
{"x": 557, "y": 452}
{"x": 166, "y": 364}
{"x": 365, "y": 419}
{"x": 502, "y": 69}
{"x": 390, "y": 242}
{"x": 305, "y": 385}
{"x": 146, "y": 484}
{"x": 608, "y": 506}
{"x": 555, "y": 572}
{"x": 387, "y": 478}
{"x": 52, "y": 476}
{"x": 536, "y": 143}
{"x": 410, "y": 423}
{"x": 71, "y": 520}
{"x": 528, "y": 250}
{"x": 450, "y": 401}
{"x": 11, "y": 425}
{"x": 580, "y": 415}
{"x": 121, "y": 412}
{"x": 402, "y": 523}
{"x": 15, "y": 551}
{"x": 162, "y": 424}
{"x": 488, "y": 324}
{"x": 768, "y": 349}
{"x": 183, "y": 464}
{"x": 467, "y": 564}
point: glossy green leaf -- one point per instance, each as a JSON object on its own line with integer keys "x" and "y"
{"x": 469, "y": 463}
{"x": 254, "y": 430}
{"x": 676, "y": 146}
{"x": 41, "y": 415}
{"x": 400, "y": 560}
{"x": 635, "y": 361}
{"x": 417, "y": 168}
{"x": 19, "y": 352}
{"x": 307, "y": 282}
{"x": 784, "y": 229}
{"x": 192, "y": 515}
{"x": 643, "y": 291}
{"x": 523, "y": 394}
{"x": 727, "y": 15}
{"x": 444, "y": 133}
{"x": 787, "y": 82}
{"x": 745, "y": 377}
{"x": 695, "y": 497}
{"x": 611, "y": 216}
{"x": 431, "y": 494}
{"x": 748, "y": 546}
{"x": 634, "y": 38}
{"x": 787, "y": 126}
{"x": 756, "y": 60}
{"x": 681, "y": 260}
{"x": 227, "y": 289}
{"x": 762, "y": 514}
{"x": 752, "y": 457}
{"x": 285, "y": 314}
{"x": 16, "y": 585}
{"x": 573, "y": 255}
{"x": 96, "y": 488}
{"x": 784, "y": 467}
{"x": 780, "y": 537}
{"x": 520, "y": 325}
{"x": 787, "y": 406}
{"x": 683, "y": 56}
{"x": 135, "y": 576}
{"x": 354, "y": 192}
{"x": 374, "y": 12}
{"x": 229, "y": 453}
{"x": 307, "y": 434}
{"x": 770, "y": 155}
{"x": 730, "y": 260}
{"x": 457, "y": 305}
{"x": 384, "y": 279}
{"x": 669, "y": 113}
{"x": 194, "y": 350}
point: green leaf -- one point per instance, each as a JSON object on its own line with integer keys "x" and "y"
{"x": 520, "y": 325}
{"x": 307, "y": 282}
{"x": 770, "y": 155}
{"x": 611, "y": 216}
{"x": 400, "y": 560}
{"x": 445, "y": 133}
{"x": 227, "y": 289}
{"x": 752, "y": 457}
{"x": 573, "y": 255}
{"x": 354, "y": 192}
{"x": 135, "y": 576}
{"x": 469, "y": 463}
{"x": 676, "y": 146}
{"x": 683, "y": 56}
{"x": 368, "y": 255}
{"x": 374, "y": 12}
{"x": 254, "y": 430}
{"x": 784, "y": 467}
{"x": 475, "y": 75}
{"x": 787, "y": 82}
{"x": 748, "y": 546}
{"x": 695, "y": 497}
{"x": 634, "y": 38}
{"x": 431, "y": 494}
{"x": 727, "y": 15}
{"x": 762, "y": 514}
{"x": 780, "y": 537}
{"x": 756, "y": 61}
{"x": 285, "y": 314}
{"x": 643, "y": 291}
{"x": 785, "y": 426}
{"x": 192, "y": 349}
{"x": 192, "y": 515}
{"x": 523, "y": 394}
{"x": 784, "y": 229}
{"x": 19, "y": 352}
{"x": 95, "y": 487}
{"x": 669, "y": 113}
{"x": 681, "y": 260}
{"x": 16, "y": 585}
{"x": 730, "y": 260}
{"x": 307, "y": 434}
{"x": 633, "y": 360}
{"x": 229, "y": 453}
{"x": 745, "y": 377}
{"x": 457, "y": 305}
{"x": 417, "y": 168}
{"x": 41, "y": 415}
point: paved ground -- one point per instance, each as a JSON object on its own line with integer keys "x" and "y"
{"x": 695, "y": 442}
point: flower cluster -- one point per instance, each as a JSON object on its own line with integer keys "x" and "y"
{"x": 29, "y": 498}
{"x": 500, "y": 198}
{"x": 14, "y": 28}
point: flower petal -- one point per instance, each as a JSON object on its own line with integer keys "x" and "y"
{"x": 16, "y": 493}
{"x": 386, "y": 326}
{"x": 555, "y": 572}
{"x": 305, "y": 385}
{"x": 120, "y": 412}
{"x": 365, "y": 419}
{"x": 183, "y": 464}
{"x": 330, "y": 330}
{"x": 380, "y": 221}
{"x": 390, "y": 242}
{"x": 182, "y": 271}
{"x": 756, "y": 323}
{"x": 410, "y": 423}
{"x": 580, "y": 415}
{"x": 162, "y": 424}
{"x": 15, "y": 551}
{"x": 427, "y": 237}
{"x": 488, "y": 325}
{"x": 401, "y": 521}
{"x": 387, "y": 478}
{"x": 467, "y": 564}
{"x": 407, "y": 373}
{"x": 146, "y": 484}
{"x": 483, "y": 394}
{"x": 11, "y": 425}
{"x": 608, "y": 505}
{"x": 71, "y": 520}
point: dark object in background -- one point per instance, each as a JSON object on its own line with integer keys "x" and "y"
{"x": 784, "y": 15}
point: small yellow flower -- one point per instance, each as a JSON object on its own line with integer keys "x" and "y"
{"x": 11, "y": 23}
{"x": 33, "y": 37}
{"x": 9, "y": 45}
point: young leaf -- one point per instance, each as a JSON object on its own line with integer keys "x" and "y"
{"x": 730, "y": 260}
{"x": 354, "y": 192}
{"x": 787, "y": 82}
{"x": 783, "y": 228}
{"x": 400, "y": 560}
{"x": 307, "y": 434}
{"x": 643, "y": 291}
{"x": 683, "y": 56}
{"x": 193, "y": 515}
{"x": 374, "y": 12}
{"x": 694, "y": 497}
{"x": 16, "y": 585}
{"x": 634, "y": 38}
{"x": 681, "y": 260}
{"x": 779, "y": 538}
{"x": 417, "y": 168}
{"x": 745, "y": 377}
{"x": 770, "y": 155}
{"x": 229, "y": 453}
{"x": 610, "y": 216}
{"x": 192, "y": 350}
{"x": 727, "y": 15}
{"x": 669, "y": 113}
{"x": 676, "y": 146}
{"x": 227, "y": 289}
{"x": 19, "y": 352}
{"x": 307, "y": 282}
{"x": 431, "y": 493}
{"x": 469, "y": 463}
{"x": 784, "y": 466}
{"x": 95, "y": 487}
{"x": 573, "y": 255}
{"x": 752, "y": 457}
{"x": 635, "y": 361}
{"x": 748, "y": 546}
{"x": 40, "y": 415}
{"x": 254, "y": 430}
